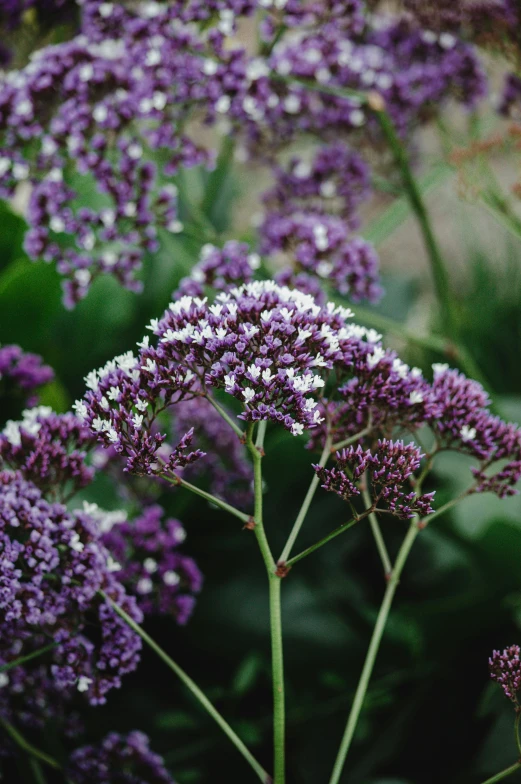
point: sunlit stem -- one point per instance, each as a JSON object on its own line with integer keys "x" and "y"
{"x": 193, "y": 688}
{"x": 297, "y": 525}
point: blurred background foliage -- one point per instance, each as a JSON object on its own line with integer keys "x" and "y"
{"x": 431, "y": 715}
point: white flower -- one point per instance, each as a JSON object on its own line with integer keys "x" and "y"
{"x": 150, "y": 565}
{"x": 145, "y": 585}
{"x": 374, "y": 358}
{"x": 4, "y": 679}
{"x": 75, "y": 543}
{"x": 137, "y": 420}
{"x": 112, "y": 565}
{"x": 467, "y": 433}
{"x": 297, "y": 429}
{"x": 171, "y": 578}
{"x": 415, "y": 397}
{"x": 438, "y": 368}
{"x": 248, "y": 394}
{"x": 84, "y": 683}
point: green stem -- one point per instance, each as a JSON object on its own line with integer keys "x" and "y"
{"x": 176, "y": 480}
{"x": 23, "y": 744}
{"x": 227, "y": 418}
{"x": 439, "y": 272}
{"x": 193, "y": 688}
{"x": 218, "y": 176}
{"x": 373, "y": 651}
{"x": 297, "y": 525}
{"x": 516, "y": 731}
{"x": 323, "y": 541}
{"x": 277, "y": 663}
{"x": 504, "y": 773}
{"x": 36, "y": 771}
{"x": 278, "y": 680}
{"x": 351, "y": 439}
{"x": 377, "y": 534}
{"x": 261, "y": 434}
{"x": 23, "y": 659}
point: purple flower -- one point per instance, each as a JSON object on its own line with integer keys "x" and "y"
{"x": 389, "y": 467}
{"x": 48, "y": 449}
{"x": 265, "y": 345}
{"x": 505, "y": 669}
{"x": 22, "y": 372}
{"x": 52, "y": 570}
{"x": 118, "y": 759}
{"x": 220, "y": 269}
{"x": 152, "y": 568}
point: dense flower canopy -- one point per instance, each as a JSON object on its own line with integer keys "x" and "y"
{"x": 110, "y": 108}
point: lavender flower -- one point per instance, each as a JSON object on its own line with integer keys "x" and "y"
{"x": 48, "y": 449}
{"x": 220, "y": 269}
{"x": 52, "y": 569}
{"x": 505, "y": 669}
{"x": 118, "y": 760}
{"x": 163, "y": 580}
{"x": 461, "y": 420}
{"x": 389, "y": 468}
{"x": 22, "y": 373}
{"x": 265, "y": 345}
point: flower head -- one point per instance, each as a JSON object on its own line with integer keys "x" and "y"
{"x": 505, "y": 669}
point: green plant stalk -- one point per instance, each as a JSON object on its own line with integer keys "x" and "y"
{"x": 373, "y": 651}
{"x": 297, "y": 525}
{"x": 377, "y": 534}
{"x": 218, "y": 175}
{"x": 516, "y": 731}
{"x": 193, "y": 688}
{"x": 23, "y": 659}
{"x": 439, "y": 272}
{"x": 177, "y": 481}
{"x": 277, "y": 661}
{"x": 351, "y": 439}
{"x": 23, "y": 744}
{"x": 36, "y": 771}
{"x": 504, "y": 773}
{"x": 321, "y": 542}
{"x": 227, "y": 418}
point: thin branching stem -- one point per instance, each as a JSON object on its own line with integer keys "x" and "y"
{"x": 193, "y": 688}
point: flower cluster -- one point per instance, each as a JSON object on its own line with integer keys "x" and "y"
{"x": 109, "y": 109}
{"x": 30, "y": 697}
{"x": 22, "y": 373}
{"x": 151, "y": 567}
{"x": 52, "y": 571}
{"x": 389, "y": 467}
{"x": 461, "y": 420}
{"x": 310, "y": 214}
{"x": 118, "y": 760}
{"x": 505, "y": 669}
{"x": 266, "y": 345}
{"x": 48, "y": 449}
{"x": 220, "y": 269}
